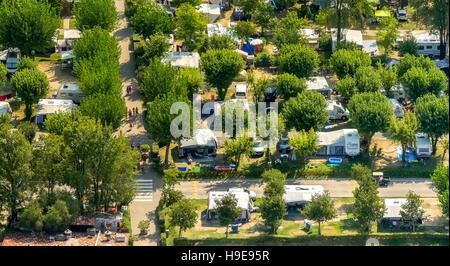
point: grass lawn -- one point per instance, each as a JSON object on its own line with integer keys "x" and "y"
{"x": 72, "y": 23}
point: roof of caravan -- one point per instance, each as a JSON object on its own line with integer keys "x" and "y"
{"x": 393, "y": 207}
{"x": 370, "y": 46}
{"x": 349, "y": 35}
{"x": 70, "y": 87}
{"x": 51, "y": 106}
{"x": 216, "y": 29}
{"x": 4, "y": 107}
{"x": 310, "y": 34}
{"x": 72, "y": 34}
{"x": 241, "y": 88}
{"x": 422, "y": 139}
{"x": 317, "y": 83}
{"x": 209, "y": 8}
{"x": 202, "y": 137}
{"x": 426, "y": 38}
{"x": 243, "y": 198}
{"x": 183, "y": 59}
{"x": 300, "y": 193}
{"x": 337, "y": 137}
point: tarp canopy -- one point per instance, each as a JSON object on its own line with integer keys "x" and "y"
{"x": 248, "y": 48}
{"x": 382, "y": 13}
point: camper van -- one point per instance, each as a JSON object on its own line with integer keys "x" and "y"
{"x": 320, "y": 85}
{"x": 344, "y": 142}
{"x": 243, "y": 198}
{"x": 299, "y": 195}
{"x": 423, "y": 145}
{"x": 241, "y": 91}
{"x": 398, "y": 108}
{"x": 70, "y": 92}
{"x": 337, "y": 111}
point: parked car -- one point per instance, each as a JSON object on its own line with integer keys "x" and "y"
{"x": 401, "y": 15}
{"x": 238, "y": 14}
{"x": 258, "y": 148}
{"x": 285, "y": 147}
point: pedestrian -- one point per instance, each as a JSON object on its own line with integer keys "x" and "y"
{"x": 137, "y": 112}
{"x": 134, "y": 111}
{"x": 129, "y": 113}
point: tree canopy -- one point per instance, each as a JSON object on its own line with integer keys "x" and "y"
{"x": 227, "y": 210}
{"x": 345, "y": 62}
{"x": 92, "y": 13}
{"x": 288, "y": 85}
{"x": 150, "y": 18}
{"x": 299, "y": 60}
{"x": 320, "y": 209}
{"x": 190, "y": 26}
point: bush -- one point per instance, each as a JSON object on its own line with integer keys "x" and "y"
{"x": 143, "y": 226}
{"x": 57, "y": 218}
{"x": 263, "y": 59}
{"x": 408, "y": 46}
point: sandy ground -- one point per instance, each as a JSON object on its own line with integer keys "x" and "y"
{"x": 56, "y": 76}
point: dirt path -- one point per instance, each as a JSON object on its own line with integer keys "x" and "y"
{"x": 140, "y": 210}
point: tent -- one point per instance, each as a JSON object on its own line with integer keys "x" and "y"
{"x": 248, "y": 48}
{"x": 382, "y": 13}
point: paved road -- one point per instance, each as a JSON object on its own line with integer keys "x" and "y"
{"x": 146, "y": 201}
{"x": 337, "y": 187}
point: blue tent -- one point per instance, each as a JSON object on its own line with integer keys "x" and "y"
{"x": 248, "y": 48}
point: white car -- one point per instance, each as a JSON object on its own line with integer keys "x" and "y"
{"x": 258, "y": 148}
{"x": 401, "y": 15}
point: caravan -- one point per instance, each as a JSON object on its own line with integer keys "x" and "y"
{"x": 422, "y": 145}
{"x": 397, "y": 107}
{"x": 300, "y": 195}
{"x": 428, "y": 45}
{"x": 337, "y": 111}
{"x": 70, "y": 92}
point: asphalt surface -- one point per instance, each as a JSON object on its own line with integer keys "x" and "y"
{"x": 337, "y": 188}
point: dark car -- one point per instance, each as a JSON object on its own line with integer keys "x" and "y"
{"x": 238, "y": 14}
{"x": 270, "y": 94}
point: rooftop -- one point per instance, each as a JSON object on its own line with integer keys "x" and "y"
{"x": 183, "y": 59}
{"x": 317, "y": 83}
{"x": 393, "y": 207}
{"x": 243, "y": 198}
{"x": 51, "y": 106}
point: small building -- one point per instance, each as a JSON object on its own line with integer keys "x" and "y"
{"x": 183, "y": 59}
{"x": 51, "y": 106}
{"x": 312, "y": 36}
{"x": 108, "y": 221}
{"x": 244, "y": 202}
{"x": 5, "y": 108}
{"x": 344, "y": 142}
{"x": 70, "y": 92}
{"x": 347, "y": 36}
{"x": 422, "y": 145}
{"x": 212, "y": 12}
{"x": 428, "y": 44}
{"x": 216, "y": 29}
{"x": 300, "y": 195}
{"x": 203, "y": 143}
{"x": 319, "y": 84}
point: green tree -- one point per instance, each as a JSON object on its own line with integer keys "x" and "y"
{"x": 304, "y": 144}
{"x": 220, "y": 68}
{"x": 410, "y": 61}
{"x": 56, "y": 123}
{"x": 248, "y": 6}
{"x": 97, "y": 42}
{"x": 177, "y": 3}
{"x": 91, "y": 13}
{"x": 183, "y": 214}
{"x": 388, "y": 34}
{"x": 345, "y": 62}
{"x": 432, "y": 113}
{"x": 299, "y": 60}
{"x": 320, "y": 209}
{"x": 48, "y": 164}
{"x": 412, "y": 209}
{"x": 368, "y": 206}
{"x": 408, "y": 46}
{"x": 110, "y": 109}
{"x": 156, "y": 46}
{"x": 275, "y": 181}
{"x": 143, "y": 226}
{"x": 388, "y": 78}
{"x": 28, "y": 129}
{"x": 26, "y": 62}
{"x": 245, "y": 29}
{"x": 57, "y": 218}
{"x": 288, "y": 85}
{"x": 367, "y": 80}
{"x": 5, "y": 120}
{"x": 170, "y": 178}
{"x": 150, "y": 18}
{"x": 305, "y": 111}
{"x": 346, "y": 87}
{"x": 193, "y": 80}
{"x": 32, "y": 217}
{"x": 403, "y": 131}
{"x": 218, "y": 42}
{"x": 3, "y": 78}
{"x": 15, "y": 172}
{"x": 273, "y": 209}
{"x": 262, "y": 15}
{"x": 370, "y": 113}
{"x": 190, "y": 26}
{"x": 261, "y": 85}
{"x": 235, "y": 148}
{"x": 159, "y": 119}
{"x": 420, "y": 81}
{"x": 158, "y": 79}
{"x": 170, "y": 196}
{"x": 444, "y": 145}
{"x": 28, "y": 25}
{"x": 440, "y": 178}
{"x": 30, "y": 85}
{"x": 227, "y": 211}
{"x": 435, "y": 14}
{"x": 285, "y": 31}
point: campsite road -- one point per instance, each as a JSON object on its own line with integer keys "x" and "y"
{"x": 399, "y": 187}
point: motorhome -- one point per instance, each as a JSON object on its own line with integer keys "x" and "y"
{"x": 300, "y": 195}
{"x": 12, "y": 58}
{"x": 397, "y": 107}
{"x": 344, "y": 142}
{"x": 70, "y": 92}
{"x": 52, "y": 106}
{"x": 348, "y": 36}
{"x": 203, "y": 143}
{"x": 422, "y": 145}
{"x": 428, "y": 44}
{"x": 337, "y": 111}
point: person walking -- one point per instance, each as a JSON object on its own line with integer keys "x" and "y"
{"x": 129, "y": 113}
{"x": 137, "y": 112}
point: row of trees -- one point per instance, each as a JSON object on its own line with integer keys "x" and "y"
{"x": 79, "y": 156}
